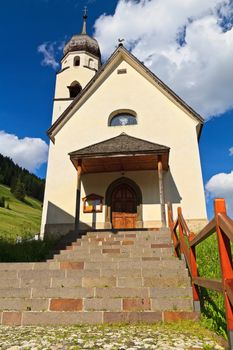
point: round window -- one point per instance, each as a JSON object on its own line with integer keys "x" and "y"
{"x": 123, "y": 119}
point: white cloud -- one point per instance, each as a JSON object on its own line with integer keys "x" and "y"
{"x": 231, "y": 151}
{"x": 188, "y": 44}
{"x": 29, "y": 153}
{"x": 49, "y": 51}
{"x": 221, "y": 186}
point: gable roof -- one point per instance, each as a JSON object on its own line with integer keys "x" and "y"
{"x": 121, "y": 50}
{"x": 121, "y": 144}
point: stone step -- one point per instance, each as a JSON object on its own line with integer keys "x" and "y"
{"x": 114, "y": 262}
{"x": 12, "y": 268}
{"x": 115, "y": 244}
{"x": 144, "y": 263}
{"x": 137, "y": 238}
{"x": 75, "y": 291}
{"x": 35, "y": 318}
{"x": 111, "y": 257}
{"x": 127, "y": 232}
{"x": 96, "y": 304}
{"x": 73, "y": 278}
{"x": 151, "y": 265}
{"x": 121, "y": 244}
{"x": 117, "y": 249}
{"x": 101, "y": 280}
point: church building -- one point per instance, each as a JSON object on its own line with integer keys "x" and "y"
{"x": 123, "y": 145}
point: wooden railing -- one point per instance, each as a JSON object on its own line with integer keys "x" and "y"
{"x": 185, "y": 243}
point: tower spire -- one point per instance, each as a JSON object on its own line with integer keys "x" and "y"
{"x": 84, "y": 31}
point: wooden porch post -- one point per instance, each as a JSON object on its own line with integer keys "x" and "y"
{"x": 161, "y": 192}
{"x": 78, "y": 195}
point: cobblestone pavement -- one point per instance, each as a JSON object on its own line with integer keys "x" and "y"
{"x": 123, "y": 337}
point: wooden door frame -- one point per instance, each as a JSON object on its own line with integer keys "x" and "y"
{"x": 108, "y": 200}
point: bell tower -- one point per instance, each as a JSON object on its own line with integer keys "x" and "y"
{"x": 81, "y": 61}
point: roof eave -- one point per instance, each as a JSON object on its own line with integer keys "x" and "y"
{"x": 122, "y": 49}
{"x": 70, "y": 107}
{"x": 74, "y": 155}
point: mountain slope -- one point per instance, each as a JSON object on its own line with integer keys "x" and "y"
{"x": 22, "y": 219}
{"x": 11, "y": 172}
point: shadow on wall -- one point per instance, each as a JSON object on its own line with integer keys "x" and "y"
{"x": 58, "y": 215}
{"x": 150, "y": 189}
{"x": 171, "y": 191}
{"x": 59, "y": 222}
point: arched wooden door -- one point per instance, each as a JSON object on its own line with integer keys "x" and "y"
{"x": 124, "y": 207}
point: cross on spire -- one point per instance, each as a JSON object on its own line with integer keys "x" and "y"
{"x": 85, "y": 11}
{"x": 84, "y": 31}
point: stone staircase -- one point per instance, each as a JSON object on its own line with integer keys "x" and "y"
{"x": 103, "y": 277}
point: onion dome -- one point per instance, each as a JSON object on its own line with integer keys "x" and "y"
{"x": 83, "y": 42}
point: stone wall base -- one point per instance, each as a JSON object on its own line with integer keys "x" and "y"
{"x": 196, "y": 225}
{"x": 55, "y": 231}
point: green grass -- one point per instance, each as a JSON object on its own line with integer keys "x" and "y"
{"x": 22, "y": 219}
{"x": 212, "y": 303}
{"x": 27, "y": 251}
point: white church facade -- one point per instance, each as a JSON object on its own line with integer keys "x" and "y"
{"x": 123, "y": 145}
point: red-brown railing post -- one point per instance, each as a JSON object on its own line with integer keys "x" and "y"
{"x": 171, "y": 227}
{"x": 194, "y": 273}
{"x": 170, "y": 215}
{"x": 226, "y": 264}
{"x": 181, "y": 234}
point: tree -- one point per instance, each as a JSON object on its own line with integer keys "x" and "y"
{"x": 14, "y": 181}
{"x": 19, "y": 191}
{"x": 11, "y": 172}
{"x": 2, "y": 202}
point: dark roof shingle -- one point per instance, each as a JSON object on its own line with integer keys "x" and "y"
{"x": 122, "y": 144}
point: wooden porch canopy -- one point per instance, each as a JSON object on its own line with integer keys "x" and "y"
{"x": 120, "y": 153}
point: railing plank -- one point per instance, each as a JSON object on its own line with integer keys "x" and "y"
{"x": 184, "y": 225}
{"x": 175, "y": 224}
{"x": 207, "y": 231}
{"x": 229, "y": 290}
{"x": 213, "y": 284}
{"x": 226, "y": 224}
{"x": 223, "y": 226}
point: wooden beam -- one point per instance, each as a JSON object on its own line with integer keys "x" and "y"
{"x": 208, "y": 283}
{"x": 207, "y": 231}
{"x": 161, "y": 192}
{"x": 78, "y": 195}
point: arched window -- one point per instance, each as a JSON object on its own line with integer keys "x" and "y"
{"x": 123, "y": 119}
{"x": 91, "y": 63}
{"x": 77, "y": 61}
{"x": 75, "y": 88}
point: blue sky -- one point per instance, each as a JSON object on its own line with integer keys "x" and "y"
{"x": 27, "y": 86}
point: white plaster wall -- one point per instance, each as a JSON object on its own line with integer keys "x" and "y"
{"x": 159, "y": 120}
{"x": 58, "y": 108}
{"x": 68, "y": 60}
{"x": 82, "y": 74}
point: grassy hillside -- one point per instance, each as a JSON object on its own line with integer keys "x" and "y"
{"x": 22, "y": 219}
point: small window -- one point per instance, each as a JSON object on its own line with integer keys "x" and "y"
{"x": 77, "y": 61}
{"x": 123, "y": 119}
{"x": 91, "y": 63}
{"x": 75, "y": 88}
{"x": 121, "y": 71}
{"x": 93, "y": 203}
